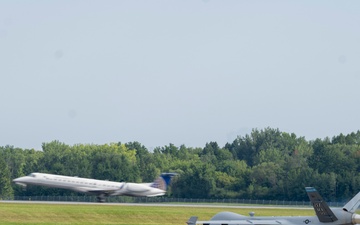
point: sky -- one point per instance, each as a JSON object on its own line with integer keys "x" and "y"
{"x": 176, "y": 71}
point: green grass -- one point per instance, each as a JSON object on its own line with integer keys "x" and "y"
{"x": 15, "y": 213}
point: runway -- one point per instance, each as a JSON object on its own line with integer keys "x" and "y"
{"x": 159, "y": 205}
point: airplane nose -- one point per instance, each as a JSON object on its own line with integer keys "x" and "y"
{"x": 19, "y": 181}
{"x": 16, "y": 180}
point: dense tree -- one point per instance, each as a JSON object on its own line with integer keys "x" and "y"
{"x": 265, "y": 164}
{"x": 15, "y": 160}
{"x": 115, "y": 162}
{"x": 53, "y": 160}
{"x": 197, "y": 181}
{"x": 349, "y": 139}
{"x": 5, "y": 186}
{"x": 247, "y": 148}
{"x": 144, "y": 161}
{"x": 266, "y": 179}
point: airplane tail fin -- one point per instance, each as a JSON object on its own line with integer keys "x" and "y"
{"x": 321, "y": 208}
{"x": 192, "y": 220}
{"x": 353, "y": 204}
{"x": 163, "y": 181}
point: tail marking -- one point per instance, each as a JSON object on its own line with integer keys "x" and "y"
{"x": 322, "y": 210}
{"x": 163, "y": 181}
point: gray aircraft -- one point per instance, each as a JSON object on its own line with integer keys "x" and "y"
{"x": 324, "y": 215}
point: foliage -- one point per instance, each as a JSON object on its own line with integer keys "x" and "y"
{"x": 5, "y": 187}
{"x": 265, "y": 164}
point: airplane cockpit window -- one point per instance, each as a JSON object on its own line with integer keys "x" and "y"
{"x": 32, "y": 175}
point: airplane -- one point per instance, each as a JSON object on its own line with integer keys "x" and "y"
{"x": 324, "y": 215}
{"x": 101, "y": 188}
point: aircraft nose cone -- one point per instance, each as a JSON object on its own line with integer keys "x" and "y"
{"x": 19, "y": 181}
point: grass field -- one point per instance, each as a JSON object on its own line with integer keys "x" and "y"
{"x": 16, "y": 213}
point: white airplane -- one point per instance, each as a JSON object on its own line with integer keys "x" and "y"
{"x": 101, "y": 188}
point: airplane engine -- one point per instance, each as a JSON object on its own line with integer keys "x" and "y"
{"x": 227, "y": 216}
{"x": 355, "y": 219}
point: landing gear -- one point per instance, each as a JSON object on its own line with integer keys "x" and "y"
{"x": 100, "y": 198}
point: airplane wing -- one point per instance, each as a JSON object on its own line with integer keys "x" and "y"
{"x": 129, "y": 189}
{"x": 238, "y": 222}
{"x": 193, "y": 221}
{"x": 94, "y": 190}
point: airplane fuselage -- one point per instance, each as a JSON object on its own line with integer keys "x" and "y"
{"x": 92, "y": 186}
{"x": 279, "y": 220}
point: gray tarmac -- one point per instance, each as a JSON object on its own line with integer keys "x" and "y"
{"x": 159, "y": 205}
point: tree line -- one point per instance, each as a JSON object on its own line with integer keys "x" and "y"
{"x": 265, "y": 164}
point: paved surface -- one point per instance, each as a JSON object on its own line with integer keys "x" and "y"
{"x": 158, "y": 204}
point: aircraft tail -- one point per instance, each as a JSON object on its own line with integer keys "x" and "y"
{"x": 353, "y": 204}
{"x": 163, "y": 181}
{"x": 192, "y": 220}
{"x": 322, "y": 210}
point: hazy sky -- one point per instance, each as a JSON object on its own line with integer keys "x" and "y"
{"x": 182, "y": 72}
